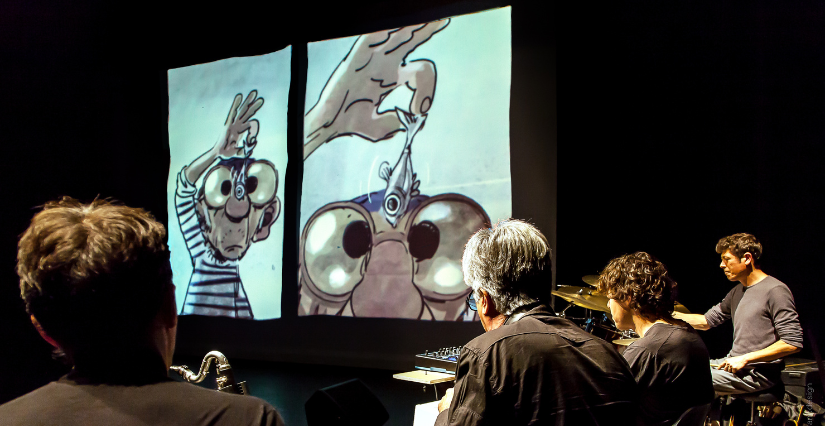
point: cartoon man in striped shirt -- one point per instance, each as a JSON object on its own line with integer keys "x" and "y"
{"x": 234, "y": 207}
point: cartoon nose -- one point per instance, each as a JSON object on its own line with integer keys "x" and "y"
{"x": 237, "y": 209}
{"x": 387, "y": 289}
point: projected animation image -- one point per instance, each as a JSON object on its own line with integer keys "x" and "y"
{"x": 226, "y": 202}
{"x": 234, "y": 208}
{"x": 396, "y": 179}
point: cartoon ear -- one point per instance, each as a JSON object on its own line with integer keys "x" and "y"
{"x": 202, "y": 216}
{"x": 271, "y": 213}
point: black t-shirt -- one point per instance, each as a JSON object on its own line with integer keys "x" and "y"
{"x": 78, "y": 400}
{"x": 672, "y": 368}
{"x": 541, "y": 370}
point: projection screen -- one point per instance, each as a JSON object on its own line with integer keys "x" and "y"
{"x": 227, "y": 142}
{"x": 406, "y": 154}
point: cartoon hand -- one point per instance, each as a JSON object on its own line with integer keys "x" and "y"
{"x": 375, "y": 66}
{"x": 734, "y": 364}
{"x": 237, "y": 122}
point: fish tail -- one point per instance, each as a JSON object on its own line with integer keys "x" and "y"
{"x": 411, "y": 122}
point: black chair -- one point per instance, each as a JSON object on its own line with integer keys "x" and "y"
{"x": 694, "y": 416}
{"x": 763, "y": 397}
{"x": 349, "y": 403}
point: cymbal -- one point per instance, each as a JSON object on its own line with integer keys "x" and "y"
{"x": 625, "y": 342}
{"x": 678, "y": 307}
{"x": 583, "y": 297}
{"x": 591, "y": 279}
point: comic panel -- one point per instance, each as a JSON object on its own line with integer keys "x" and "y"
{"x": 406, "y": 155}
{"x": 227, "y": 143}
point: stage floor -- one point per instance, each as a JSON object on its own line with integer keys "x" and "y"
{"x": 288, "y": 386}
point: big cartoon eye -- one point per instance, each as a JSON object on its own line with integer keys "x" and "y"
{"x": 217, "y": 187}
{"x": 357, "y": 239}
{"x": 423, "y": 238}
{"x": 440, "y": 228}
{"x": 261, "y": 182}
{"x": 391, "y": 204}
{"x": 335, "y": 243}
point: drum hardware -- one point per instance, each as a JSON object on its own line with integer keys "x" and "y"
{"x": 591, "y": 280}
{"x": 562, "y": 313}
{"x": 583, "y": 297}
{"x": 627, "y": 337}
{"x": 630, "y": 334}
{"x": 678, "y": 307}
{"x": 593, "y": 322}
{"x": 625, "y": 342}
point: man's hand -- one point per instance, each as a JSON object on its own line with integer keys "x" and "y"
{"x": 734, "y": 364}
{"x": 776, "y": 350}
{"x": 446, "y": 400}
{"x": 375, "y": 66}
{"x": 238, "y": 121}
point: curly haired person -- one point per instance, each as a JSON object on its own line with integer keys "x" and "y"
{"x": 669, "y": 361}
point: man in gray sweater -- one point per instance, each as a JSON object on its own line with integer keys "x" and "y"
{"x": 765, "y": 323}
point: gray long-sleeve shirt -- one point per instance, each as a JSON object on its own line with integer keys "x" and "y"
{"x": 762, "y": 314}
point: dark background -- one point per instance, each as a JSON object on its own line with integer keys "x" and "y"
{"x": 677, "y": 123}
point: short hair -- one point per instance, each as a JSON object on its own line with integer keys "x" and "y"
{"x": 512, "y": 262}
{"x": 641, "y": 281}
{"x": 739, "y": 244}
{"x": 93, "y": 274}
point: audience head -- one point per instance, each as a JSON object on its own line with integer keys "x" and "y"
{"x": 512, "y": 262}
{"x": 96, "y": 277}
{"x": 640, "y": 283}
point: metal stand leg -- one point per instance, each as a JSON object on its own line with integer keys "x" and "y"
{"x": 752, "y": 421}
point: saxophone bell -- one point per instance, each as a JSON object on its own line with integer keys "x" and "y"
{"x": 225, "y": 379}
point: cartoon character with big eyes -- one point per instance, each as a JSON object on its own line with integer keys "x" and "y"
{"x": 393, "y": 253}
{"x": 234, "y": 207}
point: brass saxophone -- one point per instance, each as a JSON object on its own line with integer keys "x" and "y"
{"x": 225, "y": 380}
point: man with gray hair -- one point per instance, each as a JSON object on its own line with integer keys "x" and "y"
{"x": 530, "y": 367}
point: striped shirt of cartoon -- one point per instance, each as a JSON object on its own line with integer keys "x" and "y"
{"x": 215, "y": 287}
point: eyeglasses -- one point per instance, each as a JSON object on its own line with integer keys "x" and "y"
{"x": 471, "y": 302}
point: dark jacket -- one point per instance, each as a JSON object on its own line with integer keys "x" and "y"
{"x": 541, "y": 369}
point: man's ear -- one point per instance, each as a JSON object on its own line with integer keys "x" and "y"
{"x": 169, "y": 311}
{"x": 42, "y": 332}
{"x": 486, "y": 305}
{"x": 747, "y": 258}
{"x": 271, "y": 213}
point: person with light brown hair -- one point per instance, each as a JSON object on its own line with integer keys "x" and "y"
{"x": 765, "y": 323}
{"x": 97, "y": 283}
{"x": 669, "y": 361}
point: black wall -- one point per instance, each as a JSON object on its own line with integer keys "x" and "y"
{"x": 677, "y": 123}
{"x": 682, "y": 122}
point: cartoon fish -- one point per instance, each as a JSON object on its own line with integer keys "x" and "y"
{"x": 402, "y": 184}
